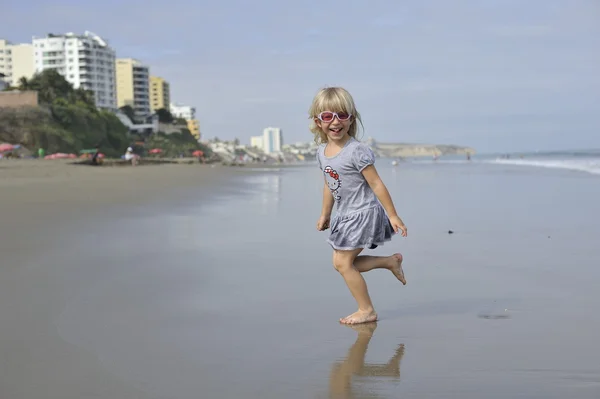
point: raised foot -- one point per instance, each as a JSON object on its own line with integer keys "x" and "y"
{"x": 359, "y": 317}
{"x": 396, "y": 267}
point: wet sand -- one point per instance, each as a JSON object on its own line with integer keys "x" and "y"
{"x": 229, "y": 292}
{"x": 45, "y": 195}
{"x": 45, "y": 205}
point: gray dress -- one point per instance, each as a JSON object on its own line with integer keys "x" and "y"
{"x": 360, "y": 220}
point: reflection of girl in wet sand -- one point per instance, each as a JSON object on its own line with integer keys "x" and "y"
{"x": 365, "y": 214}
{"x": 340, "y": 380}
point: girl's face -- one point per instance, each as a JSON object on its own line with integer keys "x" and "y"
{"x": 334, "y": 124}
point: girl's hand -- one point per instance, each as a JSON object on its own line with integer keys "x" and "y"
{"x": 398, "y": 224}
{"x": 323, "y": 223}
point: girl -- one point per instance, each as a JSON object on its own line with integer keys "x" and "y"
{"x": 365, "y": 213}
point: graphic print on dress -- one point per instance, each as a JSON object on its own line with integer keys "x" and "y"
{"x": 333, "y": 181}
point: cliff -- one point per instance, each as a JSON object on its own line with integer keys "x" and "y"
{"x": 48, "y": 112}
{"x": 401, "y": 150}
{"x": 63, "y": 128}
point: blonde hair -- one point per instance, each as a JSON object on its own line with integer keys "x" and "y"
{"x": 335, "y": 99}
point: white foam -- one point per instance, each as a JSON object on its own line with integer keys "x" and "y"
{"x": 589, "y": 165}
{"x": 442, "y": 161}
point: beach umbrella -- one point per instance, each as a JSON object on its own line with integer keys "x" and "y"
{"x": 6, "y": 147}
{"x": 60, "y": 155}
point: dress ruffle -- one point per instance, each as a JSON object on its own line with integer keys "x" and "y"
{"x": 365, "y": 228}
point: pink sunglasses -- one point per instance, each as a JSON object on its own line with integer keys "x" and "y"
{"x": 327, "y": 116}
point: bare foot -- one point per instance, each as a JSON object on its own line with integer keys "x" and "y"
{"x": 360, "y": 316}
{"x": 396, "y": 267}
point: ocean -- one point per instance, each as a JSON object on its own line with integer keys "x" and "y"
{"x": 583, "y": 161}
{"x": 235, "y": 296}
{"x": 587, "y": 161}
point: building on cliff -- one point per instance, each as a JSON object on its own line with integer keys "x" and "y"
{"x": 160, "y": 93}
{"x": 86, "y": 61}
{"x": 133, "y": 86}
{"x": 188, "y": 113}
{"x": 16, "y": 61}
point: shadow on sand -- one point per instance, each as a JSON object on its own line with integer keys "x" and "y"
{"x": 342, "y": 373}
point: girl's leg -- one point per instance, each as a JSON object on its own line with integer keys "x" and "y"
{"x": 343, "y": 261}
{"x": 393, "y": 263}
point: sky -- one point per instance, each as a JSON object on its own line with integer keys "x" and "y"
{"x": 496, "y": 75}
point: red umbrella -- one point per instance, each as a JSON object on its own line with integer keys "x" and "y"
{"x": 60, "y": 155}
{"x": 6, "y": 147}
{"x": 155, "y": 151}
{"x": 198, "y": 153}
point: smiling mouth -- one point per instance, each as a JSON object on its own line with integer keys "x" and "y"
{"x": 335, "y": 130}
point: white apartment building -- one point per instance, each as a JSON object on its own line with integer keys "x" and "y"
{"x": 86, "y": 61}
{"x": 270, "y": 141}
{"x": 16, "y": 61}
{"x": 183, "y": 111}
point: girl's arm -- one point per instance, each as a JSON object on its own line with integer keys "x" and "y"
{"x": 327, "y": 201}
{"x": 380, "y": 190}
{"x": 383, "y": 195}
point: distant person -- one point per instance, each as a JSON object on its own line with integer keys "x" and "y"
{"x": 130, "y": 156}
{"x": 96, "y": 159}
{"x": 365, "y": 213}
{"x": 41, "y": 153}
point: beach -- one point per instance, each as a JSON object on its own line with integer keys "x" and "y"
{"x": 192, "y": 281}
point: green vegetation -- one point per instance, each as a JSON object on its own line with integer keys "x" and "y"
{"x": 164, "y": 115}
{"x": 175, "y": 144}
{"x": 128, "y": 111}
{"x": 68, "y": 121}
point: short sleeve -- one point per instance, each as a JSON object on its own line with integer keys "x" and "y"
{"x": 362, "y": 157}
